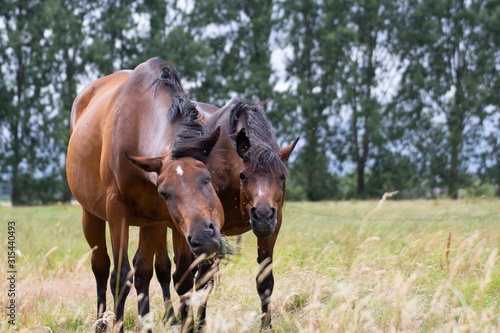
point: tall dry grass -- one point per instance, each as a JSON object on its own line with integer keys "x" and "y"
{"x": 409, "y": 266}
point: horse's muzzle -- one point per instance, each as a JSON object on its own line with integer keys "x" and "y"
{"x": 205, "y": 240}
{"x": 263, "y": 220}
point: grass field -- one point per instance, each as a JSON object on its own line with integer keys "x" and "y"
{"x": 339, "y": 266}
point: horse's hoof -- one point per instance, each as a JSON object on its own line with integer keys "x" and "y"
{"x": 266, "y": 325}
{"x": 174, "y": 321}
{"x": 171, "y": 320}
{"x": 101, "y": 327}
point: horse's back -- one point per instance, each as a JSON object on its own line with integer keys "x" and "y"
{"x": 93, "y": 91}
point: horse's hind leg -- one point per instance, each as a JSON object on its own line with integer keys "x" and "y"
{"x": 150, "y": 238}
{"x": 94, "y": 230}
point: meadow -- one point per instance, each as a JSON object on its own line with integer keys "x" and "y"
{"x": 351, "y": 266}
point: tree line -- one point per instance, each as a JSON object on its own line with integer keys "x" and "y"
{"x": 385, "y": 95}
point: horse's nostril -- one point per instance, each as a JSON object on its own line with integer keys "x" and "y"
{"x": 211, "y": 229}
{"x": 189, "y": 239}
{"x": 263, "y": 213}
{"x": 272, "y": 215}
{"x": 204, "y": 239}
{"x": 253, "y": 213}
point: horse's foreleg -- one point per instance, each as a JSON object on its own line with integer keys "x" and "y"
{"x": 183, "y": 276}
{"x": 150, "y": 238}
{"x": 205, "y": 280}
{"x": 121, "y": 277}
{"x": 94, "y": 230}
{"x": 163, "y": 268}
{"x": 265, "y": 279}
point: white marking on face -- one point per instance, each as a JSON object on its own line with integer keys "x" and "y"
{"x": 260, "y": 193}
{"x": 180, "y": 172}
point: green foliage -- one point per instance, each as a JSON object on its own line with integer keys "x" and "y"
{"x": 39, "y": 190}
{"x": 308, "y": 103}
{"x": 112, "y": 32}
{"x": 478, "y": 189}
{"x": 327, "y": 189}
{"x": 237, "y": 39}
{"x": 27, "y": 121}
{"x": 490, "y": 160}
{"x": 384, "y": 95}
{"x": 395, "y": 171}
{"x": 361, "y": 123}
{"x": 450, "y": 66}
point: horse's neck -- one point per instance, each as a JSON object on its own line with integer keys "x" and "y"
{"x": 143, "y": 113}
{"x": 156, "y": 135}
{"x": 224, "y": 160}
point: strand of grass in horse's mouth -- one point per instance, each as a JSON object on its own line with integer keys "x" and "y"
{"x": 211, "y": 256}
{"x": 220, "y": 254}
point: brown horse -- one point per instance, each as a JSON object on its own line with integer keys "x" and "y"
{"x": 249, "y": 175}
{"x": 137, "y": 157}
{"x": 251, "y": 185}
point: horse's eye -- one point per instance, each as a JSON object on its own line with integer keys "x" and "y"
{"x": 282, "y": 177}
{"x": 207, "y": 180}
{"x": 164, "y": 195}
{"x": 242, "y": 176}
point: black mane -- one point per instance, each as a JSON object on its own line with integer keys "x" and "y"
{"x": 191, "y": 138}
{"x": 169, "y": 79}
{"x": 191, "y": 134}
{"x": 263, "y": 151}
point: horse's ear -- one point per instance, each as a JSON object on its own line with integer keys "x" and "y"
{"x": 211, "y": 141}
{"x": 287, "y": 151}
{"x": 242, "y": 143}
{"x": 148, "y": 164}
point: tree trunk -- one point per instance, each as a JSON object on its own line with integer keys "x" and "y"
{"x": 14, "y": 194}
{"x": 453, "y": 181}
{"x": 361, "y": 177}
{"x": 17, "y": 132}
{"x": 456, "y": 128}
{"x": 312, "y": 165}
{"x": 311, "y": 184}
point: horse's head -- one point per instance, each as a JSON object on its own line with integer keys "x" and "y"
{"x": 183, "y": 181}
{"x": 262, "y": 183}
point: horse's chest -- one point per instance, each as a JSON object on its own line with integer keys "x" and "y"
{"x": 150, "y": 214}
{"x": 234, "y": 224}
{"x": 234, "y": 229}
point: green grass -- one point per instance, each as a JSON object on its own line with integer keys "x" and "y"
{"x": 339, "y": 266}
